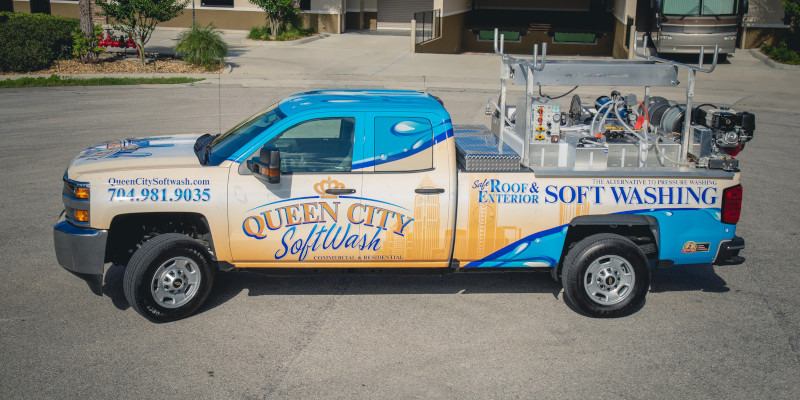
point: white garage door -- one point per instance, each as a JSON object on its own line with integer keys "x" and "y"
{"x": 397, "y": 14}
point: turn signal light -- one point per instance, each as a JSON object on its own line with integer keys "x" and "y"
{"x": 82, "y": 192}
{"x": 732, "y": 204}
{"x": 82, "y": 215}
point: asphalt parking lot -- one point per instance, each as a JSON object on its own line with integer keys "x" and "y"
{"x": 705, "y": 332}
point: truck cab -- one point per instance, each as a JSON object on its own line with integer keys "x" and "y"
{"x": 360, "y": 174}
{"x": 356, "y": 168}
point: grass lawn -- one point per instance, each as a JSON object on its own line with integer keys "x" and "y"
{"x": 55, "y": 80}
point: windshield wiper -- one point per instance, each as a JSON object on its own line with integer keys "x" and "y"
{"x": 201, "y": 148}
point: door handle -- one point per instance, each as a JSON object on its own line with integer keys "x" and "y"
{"x": 429, "y": 190}
{"x": 340, "y": 191}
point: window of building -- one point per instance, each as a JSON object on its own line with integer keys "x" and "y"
{"x": 403, "y": 144}
{"x": 217, "y": 3}
{"x": 579, "y": 38}
{"x": 317, "y": 145}
{"x": 510, "y": 36}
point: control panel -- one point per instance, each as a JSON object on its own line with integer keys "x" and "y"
{"x": 545, "y": 124}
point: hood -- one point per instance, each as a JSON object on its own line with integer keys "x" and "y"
{"x": 142, "y": 153}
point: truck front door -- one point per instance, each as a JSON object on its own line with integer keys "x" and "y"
{"x": 305, "y": 220}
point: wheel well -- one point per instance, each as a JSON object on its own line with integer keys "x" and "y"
{"x": 128, "y": 231}
{"x": 640, "y": 229}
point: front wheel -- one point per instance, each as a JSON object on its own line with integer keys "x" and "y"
{"x": 606, "y": 275}
{"x": 168, "y": 278}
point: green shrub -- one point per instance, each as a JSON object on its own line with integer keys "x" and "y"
{"x": 85, "y": 48}
{"x": 258, "y": 33}
{"x": 293, "y": 33}
{"x": 30, "y": 42}
{"x": 202, "y": 46}
{"x": 781, "y": 53}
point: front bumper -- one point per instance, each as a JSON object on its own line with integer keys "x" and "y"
{"x": 689, "y": 43}
{"x": 80, "y": 250}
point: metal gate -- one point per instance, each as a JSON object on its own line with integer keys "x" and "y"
{"x": 397, "y": 14}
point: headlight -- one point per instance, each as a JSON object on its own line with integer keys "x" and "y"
{"x": 729, "y": 37}
{"x": 76, "y": 201}
{"x": 78, "y": 190}
{"x": 665, "y": 37}
{"x": 82, "y": 192}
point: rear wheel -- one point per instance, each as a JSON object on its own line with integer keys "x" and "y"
{"x": 606, "y": 275}
{"x": 168, "y": 278}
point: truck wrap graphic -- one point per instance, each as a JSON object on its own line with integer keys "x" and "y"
{"x": 318, "y": 226}
{"x": 524, "y": 223}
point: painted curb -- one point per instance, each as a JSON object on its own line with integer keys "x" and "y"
{"x": 287, "y": 43}
{"x": 771, "y": 63}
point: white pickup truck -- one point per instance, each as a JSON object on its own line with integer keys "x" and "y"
{"x": 374, "y": 179}
{"x": 382, "y": 179}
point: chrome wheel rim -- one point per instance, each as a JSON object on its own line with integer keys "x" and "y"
{"x": 609, "y": 280}
{"x": 175, "y": 282}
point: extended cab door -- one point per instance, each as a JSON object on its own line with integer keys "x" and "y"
{"x": 303, "y": 220}
{"x": 409, "y": 193}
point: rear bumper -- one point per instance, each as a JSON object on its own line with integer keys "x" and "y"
{"x": 80, "y": 250}
{"x": 729, "y": 249}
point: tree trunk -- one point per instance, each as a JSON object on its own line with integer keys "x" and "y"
{"x": 85, "y": 11}
{"x": 87, "y": 27}
{"x": 274, "y": 23}
{"x": 140, "y": 48}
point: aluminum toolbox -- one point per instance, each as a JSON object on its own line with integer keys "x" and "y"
{"x": 477, "y": 149}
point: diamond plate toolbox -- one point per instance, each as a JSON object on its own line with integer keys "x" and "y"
{"x": 477, "y": 150}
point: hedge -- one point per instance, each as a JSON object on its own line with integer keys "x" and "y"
{"x": 30, "y": 42}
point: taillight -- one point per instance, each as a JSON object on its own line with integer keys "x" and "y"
{"x": 731, "y": 204}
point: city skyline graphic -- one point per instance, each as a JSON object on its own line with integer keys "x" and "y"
{"x": 423, "y": 239}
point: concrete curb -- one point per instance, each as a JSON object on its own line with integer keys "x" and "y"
{"x": 286, "y": 43}
{"x": 771, "y": 63}
{"x": 120, "y": 75}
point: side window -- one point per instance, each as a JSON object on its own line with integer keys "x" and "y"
{"x": 403, "y": 144}
{"x": 317, "y": 145}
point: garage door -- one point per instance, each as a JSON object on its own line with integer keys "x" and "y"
{"x": 397, "y": 14}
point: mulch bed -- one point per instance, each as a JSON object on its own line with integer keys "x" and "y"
{"x": 118, "y": 65}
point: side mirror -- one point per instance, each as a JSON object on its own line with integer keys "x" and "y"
{"x": 267, "y": 166}
{"x": 745, "y": 7}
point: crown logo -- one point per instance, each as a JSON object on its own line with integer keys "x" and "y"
{"x": 326, "y": 184}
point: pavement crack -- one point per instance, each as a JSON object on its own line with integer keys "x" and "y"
{"x": 780, "y": 318}
{"x": 313, "y": 328}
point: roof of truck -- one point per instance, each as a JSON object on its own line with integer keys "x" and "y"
{"x": 362, "y": 100}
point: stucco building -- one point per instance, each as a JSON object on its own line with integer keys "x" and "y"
{"x": 572, "y": 27}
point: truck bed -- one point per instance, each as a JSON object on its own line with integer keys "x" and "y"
{"x": 479, "y": 150}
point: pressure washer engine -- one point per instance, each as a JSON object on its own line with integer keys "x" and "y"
{"x": 720, "y": 133}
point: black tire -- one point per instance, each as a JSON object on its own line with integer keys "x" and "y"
{"x": 619, "y": 277}
{"x": 722, "y": 57}
{"x": 185, "y": 272}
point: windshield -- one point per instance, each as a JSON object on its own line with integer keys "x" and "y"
{"x": 225, "y": 145}
{"x": 699, "y": 7}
